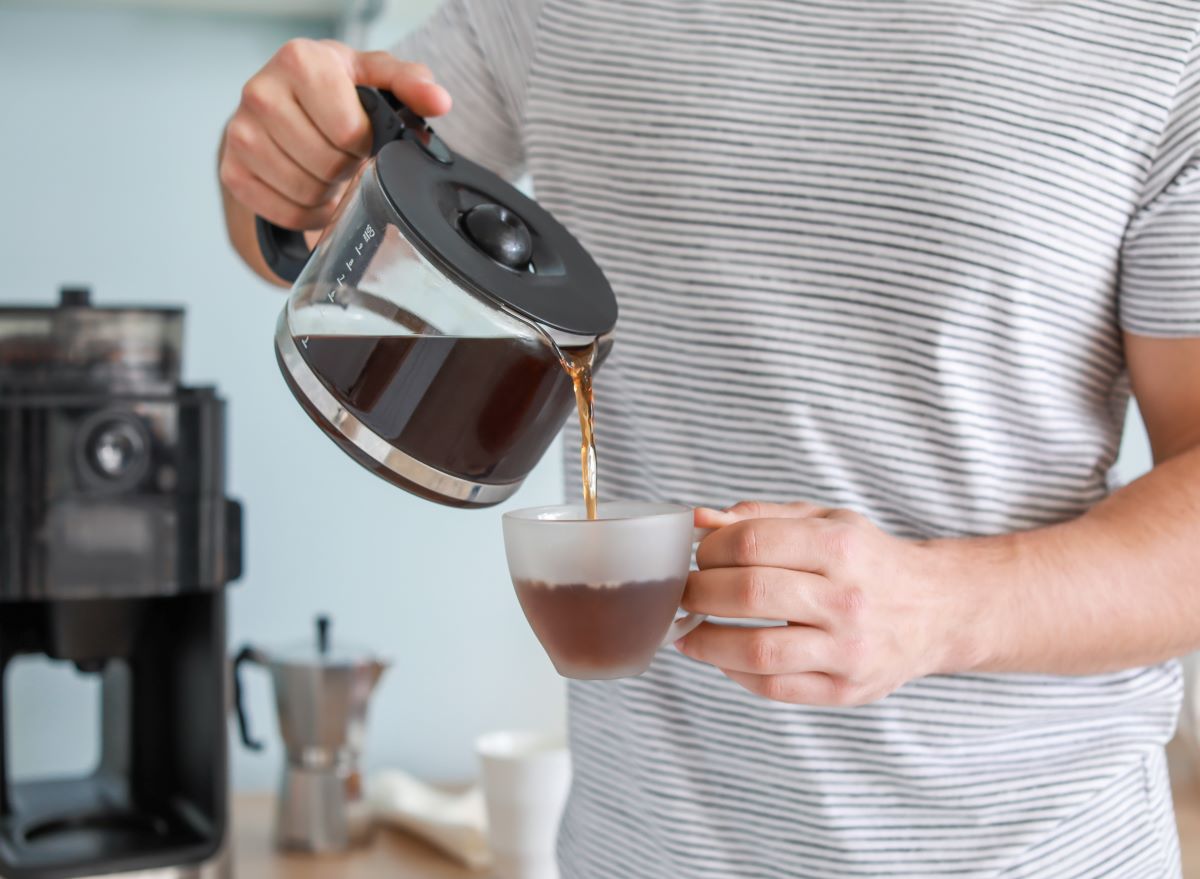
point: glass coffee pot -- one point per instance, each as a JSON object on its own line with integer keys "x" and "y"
{"x": 424, "y": 333}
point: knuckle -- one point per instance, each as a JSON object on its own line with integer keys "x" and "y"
{"x": 232, "y": 176}
{"x": 750, "y": 509}
{"x": 776, "y": 688}
{"x": 255, "y": 96}
{"x": 755, "y": 589}
{"x": 239, "y": 134}
{"x": 848, "y": 516}
{"x": 320, "y": 72}
{"x": 841, "y": 541}
{"x": 745, "y": 547}
{"x": 294, "y": 55}
{"x": 850, "y": 603}
{"x": 348, "y": 129}
{"x": 762, "y": 653}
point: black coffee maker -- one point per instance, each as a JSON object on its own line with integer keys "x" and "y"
{"x": 116, "y": 545}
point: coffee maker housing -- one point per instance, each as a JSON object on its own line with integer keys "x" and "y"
{"x": 116, "y": 545}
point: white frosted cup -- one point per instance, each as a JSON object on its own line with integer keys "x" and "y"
{"x": 602, "y": 595}
{"x": 526, "y": 777}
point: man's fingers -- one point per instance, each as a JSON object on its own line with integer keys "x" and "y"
{"x": 809, "y": 544}
{"x": 258, "y": 151}
{"x": 768, "y": 510}
{"x": 807, "y": 688}
{"x": 295, "y": 132}
{"x": 325, "y": 93}
{"x": 269, "y": 204}
{"x": 759, "y": 593}
{"x": 706, "y": 517}
{"x": 301, "y": 129}
{"x": 411, "y": 83}
{"x": 769, "y": 650}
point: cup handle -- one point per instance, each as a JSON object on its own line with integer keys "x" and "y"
{"x": 682, "y": 626}
{"x": 686, "y": 623}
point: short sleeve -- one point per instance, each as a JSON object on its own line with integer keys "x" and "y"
{"x": 1160, "y": 258}
{"x": 480, "y": 50}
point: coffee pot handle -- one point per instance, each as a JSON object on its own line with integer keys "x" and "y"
{"x": 684, "y": 624}
{"x": 246, "y": 654}
{"x": 285, "y": 250}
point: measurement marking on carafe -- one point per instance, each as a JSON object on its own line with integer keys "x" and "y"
{"x": 331, "y": 296}
{"x": 349, "y": 263}
{"x": 304, "y": 342}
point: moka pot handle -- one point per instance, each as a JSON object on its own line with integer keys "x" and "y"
{"x": 246, "y": 654}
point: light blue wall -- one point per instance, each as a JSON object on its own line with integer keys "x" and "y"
{"x": 110, "y": 123}
{"x": 1135, "y": 448}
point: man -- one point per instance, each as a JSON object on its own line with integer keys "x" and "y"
{"x": 898, "y": 263}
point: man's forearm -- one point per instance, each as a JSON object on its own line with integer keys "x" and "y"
{"x": 1116, "y": 588}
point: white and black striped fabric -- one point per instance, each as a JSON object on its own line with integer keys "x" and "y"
{"x": 875, "y": 254}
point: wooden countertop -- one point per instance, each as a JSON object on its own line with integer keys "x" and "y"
{"x": 1187, "y": 816}
{"x": 394, "y": 855}
{"x": 391, "y": 855}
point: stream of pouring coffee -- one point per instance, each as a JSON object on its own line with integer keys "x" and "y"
{"x": 578, "y": 363}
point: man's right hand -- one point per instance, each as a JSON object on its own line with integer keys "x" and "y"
{"x": 300, "y": 133}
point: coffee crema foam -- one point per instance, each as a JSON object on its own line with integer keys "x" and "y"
{"x": 614, "y": 584}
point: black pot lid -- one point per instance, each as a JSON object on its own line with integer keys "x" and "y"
{"x": 492, "y": 240}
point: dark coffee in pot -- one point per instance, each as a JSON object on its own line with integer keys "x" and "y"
{"x": 482, "y": 409}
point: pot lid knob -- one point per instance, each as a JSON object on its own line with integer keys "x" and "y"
{"x": 499, "y": 233}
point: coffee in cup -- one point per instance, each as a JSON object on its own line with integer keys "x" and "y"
{"x": 602, "y": 594}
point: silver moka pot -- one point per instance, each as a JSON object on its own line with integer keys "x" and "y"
{"x": 321, "y": 696}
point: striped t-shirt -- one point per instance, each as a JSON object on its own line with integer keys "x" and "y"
{"x": 874, "y": 254}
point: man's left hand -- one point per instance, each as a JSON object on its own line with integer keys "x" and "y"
{"x": 865, "y": 611}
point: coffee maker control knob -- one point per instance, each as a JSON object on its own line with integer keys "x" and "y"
{"x": 115, "y": 449}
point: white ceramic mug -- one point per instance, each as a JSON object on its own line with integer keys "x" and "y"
{"x": 526, "y": 777}
{"x": 602, "y": 595}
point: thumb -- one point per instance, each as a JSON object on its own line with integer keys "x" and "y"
{"x": 411, "y": 82}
